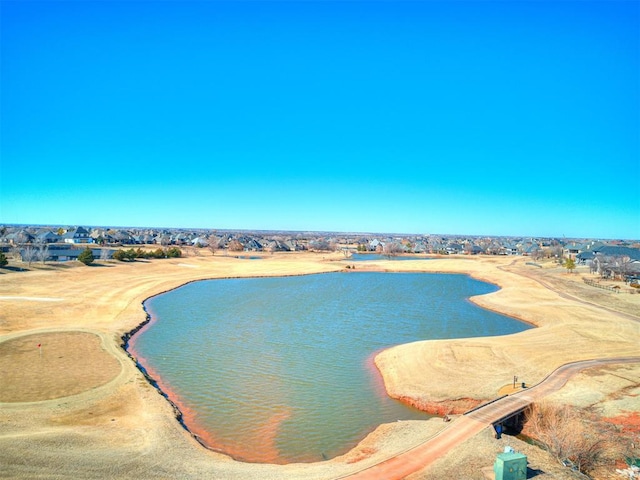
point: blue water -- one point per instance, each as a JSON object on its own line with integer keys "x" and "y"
{"x": 362, "y": 257}
{"x": 278, "y": 369}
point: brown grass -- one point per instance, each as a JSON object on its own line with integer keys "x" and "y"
{"x": 569, "y": 435}
{"x": 66, "y": 363}
{"x": 114, "y": 424}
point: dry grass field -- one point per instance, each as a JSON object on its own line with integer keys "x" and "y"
{"x": 76, "y": 407}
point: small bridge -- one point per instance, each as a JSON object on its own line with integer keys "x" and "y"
{"x": 505, "y": 411}
{"x": 496, "y": 412}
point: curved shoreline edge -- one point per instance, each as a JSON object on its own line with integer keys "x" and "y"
{"x": 134, "y": 431}
{"x": 179, "y": 416}
{"x": 127, "y": 336}
{"x": 452, "y": 406}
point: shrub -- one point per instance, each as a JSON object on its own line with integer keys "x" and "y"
{"x": 124, "y": 255}
{"x": 86, "y": 256}
{"x": 567, "y": 435}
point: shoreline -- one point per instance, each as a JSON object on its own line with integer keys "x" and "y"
{"x": 204, "y": 437}
{"x": 132, "y": 430}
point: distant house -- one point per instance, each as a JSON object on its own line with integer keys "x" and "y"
{"x": 199, "y": 242}
{"x": 375, "y": 245}
{"x": 145, "y": 239}
{"x": 474, "y": 250}
{"x": 20, "y": 237}
{"x": 77, "y": 235}
{"x": 509, "y": 249}
{"x": 615, "y": 261}
{"x": 59, "y": 253}
{"x": 571, "y": 250}
{"x": 47, "y": 237}
{"x": 453, "y": 248}
{"x": 419, "y": 247}
{"x": 123, "y": 237}
{"x": 617, "y": 251}
{"x": 585, "y": 258}
{"x": 181, "y": 239}
{"x": 530, "y": 249}
{"x": 294, "y": 245}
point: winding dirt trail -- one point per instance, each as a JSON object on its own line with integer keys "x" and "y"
{"x": 466, "y": 426}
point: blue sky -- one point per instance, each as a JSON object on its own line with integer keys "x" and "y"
{"x": 488, "y": 118}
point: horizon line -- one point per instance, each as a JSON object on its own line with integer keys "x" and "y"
{"x": 363, "y": 233}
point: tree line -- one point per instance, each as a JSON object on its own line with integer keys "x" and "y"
{"x": 131, "y": 254}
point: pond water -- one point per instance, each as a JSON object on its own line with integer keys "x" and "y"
{"x": 280, "y": 369}
{"x": 362, "y": 257}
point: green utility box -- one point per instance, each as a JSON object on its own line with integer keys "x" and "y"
{"x": 510, "y": 466}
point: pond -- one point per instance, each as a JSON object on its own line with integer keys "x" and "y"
{"x": 280, "y": 369}
{"x": 363, "y": 257}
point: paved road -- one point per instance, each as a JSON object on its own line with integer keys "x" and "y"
{"x": 466, "y": 426}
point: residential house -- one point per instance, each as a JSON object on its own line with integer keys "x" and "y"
{"x": 453, "y": 248}
{"x": 78, "y": 235}
{"x": 123, "y": 237}
{"x": 20, "y": 237}
{"x": 509, "y": 249}
{"x": 47, "y": 237}
{"x": 199, "y": 242}
{"x": 571, "y": 250}
{"x": 530, "y": 249}
{"x": 375, "y": 245}
{"x": 616, "y": 261}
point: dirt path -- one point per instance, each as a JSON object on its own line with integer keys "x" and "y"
{"x": 466, "y": 426}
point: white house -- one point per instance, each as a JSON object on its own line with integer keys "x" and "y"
{"x": 78, "y": 235}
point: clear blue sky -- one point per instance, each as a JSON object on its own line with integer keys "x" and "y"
{"x": 491, "y": 118}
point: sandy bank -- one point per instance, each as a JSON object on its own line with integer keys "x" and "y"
{"x": 124, "y": 429}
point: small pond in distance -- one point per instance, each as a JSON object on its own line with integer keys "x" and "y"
{"x": 363, "y": 257}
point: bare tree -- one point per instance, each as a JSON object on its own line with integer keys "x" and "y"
{"x": 235, "y": 246}
{"x": 556, "y": 252}
{"x": 622, "y": 265}
{"x": 28, "y": 254}
{"x": 212, "y": 244}
{"x": 609, "y": 265}
{"x": 320, "y": 245}
{"x": 537, "y": 254}
{"x": 104, "y": 254}
{"x": 567, "y": 435}
{"x": 391, "y": 249}
{"x": 42, "y": 252}
{"x": 16, "y": 252}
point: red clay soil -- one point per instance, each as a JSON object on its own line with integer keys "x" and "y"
{"x": 398, "y": 467}
{"x": 629, "y": 422}
{"x": 456, "y": 406}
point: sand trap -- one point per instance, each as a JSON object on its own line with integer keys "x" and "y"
{"x": 187, "y": 265}
{"x": 66, "y": 363}
{"x": 34, "y": 299}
